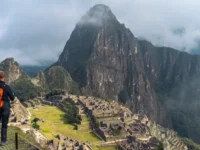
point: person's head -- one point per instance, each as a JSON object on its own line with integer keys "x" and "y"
{"x": 2, "y": 76}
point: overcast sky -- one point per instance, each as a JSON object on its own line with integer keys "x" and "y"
{"x": 34, "y": 32}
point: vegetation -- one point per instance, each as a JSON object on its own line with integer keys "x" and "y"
{"x": 71, "y": 113}
{"x": 24, "y": 89}
{"x": 54, "y": 123}
{"x": 108, "y": 148}
{"x": 56, "y": 92}
{"x": 75, "y": 127}
{"x": 191, "y": 145}
{"x": 115, "y": 131}
{"x": 123, "y": 97}
{"x": 96, "y": 122}
{"x": 57, "y": 77}
{"x": 74, "y": 88}
{"x": 34, "y": 123}
{"x": 161, "y": 146}
{"x": 24, "y": 138}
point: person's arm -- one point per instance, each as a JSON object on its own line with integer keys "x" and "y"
{"x": 10, "y": 93}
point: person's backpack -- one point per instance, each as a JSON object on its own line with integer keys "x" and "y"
{"x": 1, "y": 96}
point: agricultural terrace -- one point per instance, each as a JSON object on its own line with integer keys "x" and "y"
{"x": 53, "y": 122}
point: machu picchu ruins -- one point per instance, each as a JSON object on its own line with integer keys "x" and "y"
{"x": 66, "y": 143}
{"x": 113, "y": 123}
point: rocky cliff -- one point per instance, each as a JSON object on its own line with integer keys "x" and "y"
{"x": 12, "y": 70}
{"x": 19, "y": 113}
{"x": 105, "y": 58}
{"x": 107, "y": 61}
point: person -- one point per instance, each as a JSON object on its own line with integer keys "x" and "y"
{"x": 5, "y": 110}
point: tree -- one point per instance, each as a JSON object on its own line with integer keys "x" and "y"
{"x": 35, "y": 120}
{"x": 75, "y": 126}
{"x": 160, "y": 147}
{"x": 36, "y": 126}
{"x": 34, "y": 123}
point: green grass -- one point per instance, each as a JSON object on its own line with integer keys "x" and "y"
{"x": 107, "y": 148}
{"x": 52, "y": 115}
{"x": 23, "y": 138}
{"x": 85, "y": 119}
{"x": 191, "y": 144}
{"x": 129, "y": 122}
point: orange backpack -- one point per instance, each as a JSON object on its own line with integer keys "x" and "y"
{"x": 1, "y": 97}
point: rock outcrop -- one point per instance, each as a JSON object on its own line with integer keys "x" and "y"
{"x": 19, "y": 113}
{"x": 38, "y": 136}
{"x": 11, "y": 69}
{"x": 105, "y": 58}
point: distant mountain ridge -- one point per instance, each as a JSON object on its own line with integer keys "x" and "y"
{"x": 105, "y": 58}
{"x": 33, "y": 70}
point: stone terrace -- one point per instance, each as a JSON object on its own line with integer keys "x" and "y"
{"x": 114, "y": 120}
{"x": 66, "y": 143}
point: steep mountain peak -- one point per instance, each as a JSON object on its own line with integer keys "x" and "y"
{"x": 10, "y": 61}
{"x": 100, "y": 8}
{"x": 98, "y": 15}
{"x": 12, "y": 70}
{"x": 108, "y": 61}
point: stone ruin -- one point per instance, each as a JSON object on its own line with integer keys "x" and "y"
{"x": 110, "y": 114}
{"x": 19, "y": 114}
{"x": 133, "y": 144}
{"x": 66, "y": 143}
{"x": 169, "y": 138}
{"x": 115, "y": 121}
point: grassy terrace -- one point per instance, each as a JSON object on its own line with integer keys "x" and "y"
{"x": 26, "y": 141}
{"x": 104, "y": 148}
{"x": 53, "y": 124}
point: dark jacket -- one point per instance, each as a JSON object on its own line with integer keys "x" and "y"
{"x": 7, "y": 93}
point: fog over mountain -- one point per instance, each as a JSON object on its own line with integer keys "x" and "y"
{"x": 34, "y": 32}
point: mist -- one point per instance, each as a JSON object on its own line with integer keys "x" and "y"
{"x": 35, "y": 32}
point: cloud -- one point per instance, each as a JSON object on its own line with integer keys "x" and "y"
{"x": 35, "y": 31}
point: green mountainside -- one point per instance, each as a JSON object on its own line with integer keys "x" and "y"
{"x": 25, "y": 87}
{"x": 56, "y": 77}
{"x": 19, "y": 81}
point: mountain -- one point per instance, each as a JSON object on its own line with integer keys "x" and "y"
{"x": 12, "y": 70}
{"x": 55, "y": 77}
{"x": 19, "y": 81}
{"x": 25, "y": 87}
{"x": 107, "y": 61}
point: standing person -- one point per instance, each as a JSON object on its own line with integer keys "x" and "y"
{"x": 6, "y": 95}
